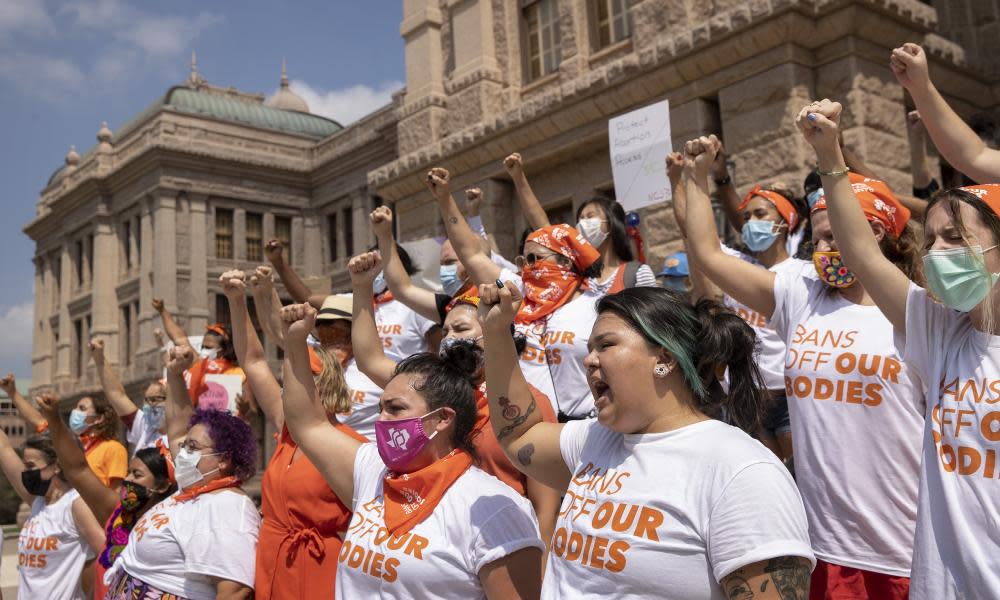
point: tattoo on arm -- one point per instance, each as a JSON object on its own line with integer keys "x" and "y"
{"x": 524, "y": 454}
{"x": 517, "y": 419}
{"x": 454, "y": 220}
{"x": 782, "y": 578}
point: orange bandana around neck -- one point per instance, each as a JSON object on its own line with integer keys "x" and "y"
{"x": 547, "y": 286}
{"x": 411, "y": 497}
{"x": 384, "y": 298}
{"x": 204, "y": 488}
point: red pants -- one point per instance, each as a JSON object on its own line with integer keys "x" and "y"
{"x": 835, "y": 582}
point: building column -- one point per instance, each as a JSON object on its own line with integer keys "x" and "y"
{"x": 198, "y": 308}
{"x": 149, "y": 319}
{"x": 65, "y": 325}
{"x": 423, "y": 118}
{"x": 41, "y": 347}
{"x": 104, "y": 274}
{"x": 239, "y": 234}
{"x": 307, "y": 243}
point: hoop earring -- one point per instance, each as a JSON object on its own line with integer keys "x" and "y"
{"x": 661, "y": 370}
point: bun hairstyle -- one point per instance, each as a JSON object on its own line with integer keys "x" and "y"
{"x": 157, "y": 465}
{"x": 615, "y": 214}
{"x": 705, "y": 340}
{"x": 449, "y": 381}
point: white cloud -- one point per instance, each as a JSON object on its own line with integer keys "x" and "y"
{"x": 15, "y": 352}
{"x": 163, "y": 37}
{"x": 24, "y": 16}
{"x": 345, "y": 105}
{"x": 50, "y": 78}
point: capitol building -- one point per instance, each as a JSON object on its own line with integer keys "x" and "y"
{"x": 196, "y": 183}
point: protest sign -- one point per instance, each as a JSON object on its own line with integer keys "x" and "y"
{"x": 639, "y": 142}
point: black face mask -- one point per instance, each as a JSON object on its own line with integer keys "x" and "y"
{"x": 133, "y": 495}
{"x": 33, "y": 483}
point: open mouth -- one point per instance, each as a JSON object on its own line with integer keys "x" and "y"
{"x": 601, "y": 391}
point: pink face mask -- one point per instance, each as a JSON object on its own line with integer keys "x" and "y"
{"x": 399, "y": 442}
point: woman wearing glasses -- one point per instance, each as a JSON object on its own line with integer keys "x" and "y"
{"x": 559, "y": 280}
{"x": 201, "y": 542}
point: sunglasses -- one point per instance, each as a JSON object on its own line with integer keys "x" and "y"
{"x": 531, "y": 258}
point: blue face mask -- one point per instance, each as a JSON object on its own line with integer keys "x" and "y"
{"x": 758, "y": 235}
{"x": 449, "y": 279}
{"x": 78, "y": 421}
{"x": 958, "y": 276}
{"x": 379, "y": 284}
{"x": 813, "y": 197}
{"x": 154, "y": 415}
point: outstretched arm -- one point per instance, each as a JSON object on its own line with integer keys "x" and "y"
{"x": 418, "y": 299}
{"x": 101, "y": 499}
{"x": 174, "y": 331}
{"x": 250, "y": 352}
{"x": 747, "y": 283}
{"x": 724, "y": 186}
{"x": 329, "y": 449}
{"x": 289, "y": 278}
{"x": 701, "y": 286}
{"x": 530, "y": 206}
{"x": 112, "y": 386}
{"x": 367, "y": 344}
{"x": 820, "y": 124}
{"x": 531, "y": 444}
{"x": 955, "y": 140}
{"x": 12, "y": 467}
{"x": 179, "y": 408}
{"x": 267, "y": 304}
{"x": 466, "y": 243}
{"x": 27, "y": 411}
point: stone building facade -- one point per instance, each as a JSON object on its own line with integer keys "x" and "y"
{"x": 193, "y": 185}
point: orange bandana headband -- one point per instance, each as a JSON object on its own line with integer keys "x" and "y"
{"x": 989, "y": 193}
{"x": 566, "y": 241}
{"x": 470, "y": 297}
{"x": 218, "y": 329}
{"x": 877, "y": 202}
{"x": 785, "y": 208}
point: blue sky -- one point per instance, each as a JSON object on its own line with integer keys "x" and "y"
{"x": 66, "y": 66}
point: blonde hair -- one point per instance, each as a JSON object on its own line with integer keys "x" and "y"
{"x": 330, "y": 385}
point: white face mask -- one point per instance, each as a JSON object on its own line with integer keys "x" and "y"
{"x": 209, "y": 353}
{"x": 186, "y": 468}
{"x": 593, "y": 230}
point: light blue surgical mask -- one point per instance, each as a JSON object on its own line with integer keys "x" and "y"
{"x": 958, "y": 276}
{"x": 154, "y": 415}
{"x": 379, "y": 285}
{"x": 449, "y": 279}
{"x": 78, "y": 421}
{"x": 759, "y": 235}
{"x": 813, "y": 197}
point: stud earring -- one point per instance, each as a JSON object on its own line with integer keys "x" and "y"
{"x": 661, "y": 370}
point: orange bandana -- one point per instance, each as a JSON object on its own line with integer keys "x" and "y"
{"x": 411, "y": 497}
{"x": 204, "y": 488}
{"x": 168, "y": 457}
{"x": 567, "y": 241}
{"x": 470, "y": 297}
{"x": 89, "y": 441}
{"x": 384, "y": 297}
{"x": 989, "y": 193}
{"x": 482, "y": 409}
{"x": 877, "y": 202}
{"x": 198, "y": 371}
{"x": 219, "y": 329}
{"x": 785, "y": 208}
{"x": 547, "y": 286}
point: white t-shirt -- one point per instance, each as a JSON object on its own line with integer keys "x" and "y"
{"x": 955, "y": 555}
{"x": 771, "y": 351}
{"x": 365, "y": 396}
{"x": 178, "y": 546}
{"x": 668, "y": 515}
{"x": 565, "y": 342}
{"x": 478, "y": 520}
{"x": 141, "y": 435}
{"x": 533, "y": 362}
{"x": 51, "y": 551}
{"x": 401, "y": 330}
{"x": 857, "y": 417}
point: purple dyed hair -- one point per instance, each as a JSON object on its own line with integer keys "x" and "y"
{"x": 232, "y": 437}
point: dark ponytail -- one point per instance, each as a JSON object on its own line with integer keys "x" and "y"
{"x": 448, "y": 380}
{"x": 157, "y": 465}
{"x": 705, "y": 340}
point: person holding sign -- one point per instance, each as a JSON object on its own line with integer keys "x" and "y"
{"x": 427, "y": 523}
{"x": 952, "y": 344}
{"x": 303, "y": 518}
{"x": 601, "y": 221}
{"x": 559, "y": 272}
{"x": 850, "y": 396}
{"x": 662, "y": 500}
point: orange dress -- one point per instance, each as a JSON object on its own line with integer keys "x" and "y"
{"x": 492, "y": 458}
{"x": 299, "y": 540}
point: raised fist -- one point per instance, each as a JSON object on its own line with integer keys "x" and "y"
{"x": 819, "y": 123}
{"x": 180, "y": 359}
{"x": 381, "y": 220}
{"x": 97, "y": 350}
{"x": 909, "y": 65}
{"x": 364, "y": 268}
{"x": 514, "y": 164}
{"x": 158, "y": 305}
{"x": 233, "y": 284}
{"x": 439, "y": 183}
{"x": 273, "y": 251}
{"x": 298, "y": 321}
{"x": 498, "y": 305}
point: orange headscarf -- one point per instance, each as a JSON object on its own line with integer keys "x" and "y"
{"x": 877, "y": 202}
{"x": 989, "y": 193}
{"x": 470, "y": 297}
{"x": 548, "y": 286}
{"x": 785, "y": 208}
